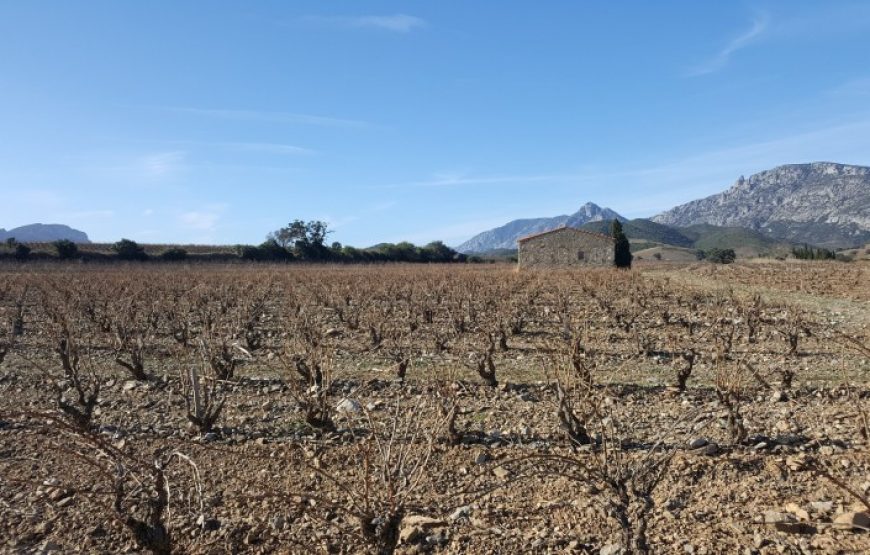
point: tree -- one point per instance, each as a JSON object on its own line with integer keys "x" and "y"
{"x": 129, "y": 250}
{"x": 66, "y": 249}
{"x": 11, "y": 242}
{"x": 622, "y": 252}
{"x": 307, "y": 239}
{"x": 22, "y": 251}
{"x": 721, "y": 256}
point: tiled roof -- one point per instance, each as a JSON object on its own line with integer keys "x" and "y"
{"x": 563, "y": 228}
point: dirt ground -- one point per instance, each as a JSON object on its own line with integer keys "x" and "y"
{"x": 265, "y": 481}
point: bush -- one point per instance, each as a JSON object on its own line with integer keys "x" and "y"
{"x": 268, "y": 251}
{"x": 129, "y": 250}
{"x": 66, "y": 249}
{"x": 721, "y": 256}
{"x": 22, "y": 251}
{"x": 174, "y": 254}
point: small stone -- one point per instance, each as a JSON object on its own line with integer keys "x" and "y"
{"x": 130, "y": 385}
{"x": 461, "y": 512}
{"x": 348, "y": 406}
{"x": 501, "y": 472}
{"x": 778, "y": 396}
{"x": 822, "y": 506}
{"x": 482, "y": 458}
{"x": 611, "y": 549}
{"x": 697, "y": 443}
{"x": 776, "y": 517}
{"x": 858, "y": 519}
{"x": 797, "y": 511}
{"x": 711, "y": 449}
{"x": 414, "y": 528}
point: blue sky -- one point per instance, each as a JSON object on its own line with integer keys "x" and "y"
{"x": 216, "y": 122}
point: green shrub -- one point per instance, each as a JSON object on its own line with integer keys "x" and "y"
{"x": 66, "y": 249}
{"x": 721, "y": 256}
{"x": 126, "y": 249}
{"x": 174, "y": 254}
{"x": 22, "y": 251}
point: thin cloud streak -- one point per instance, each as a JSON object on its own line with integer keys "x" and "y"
{"x": 397, "y": 23}
{"x": 268, "y": 117}
{"x": 721, "y": 59}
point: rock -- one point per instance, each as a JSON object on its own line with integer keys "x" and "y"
{"x": 857, "y": 519}
{"x": 332, "y": 332}
{"x": 482, "y": 458}
{"x": 822, "y": 506}
{"x": 461, "y": 512}
{"x": 611, "y": 549}
{"x": 208, "y": 524}
{"x": 778, "y": 396}
{"x": 130, "y": 385}
{"x": 261, "y": 441}
{"x": 211, "y": 436}
{"x": 775, "y": 517}
{"x": 414, "y": 527}
{"x": 348, "y": 406}
{"x": 797, "y": 511}
{"x": 501, "y": 472}
{"x": 711, "y": 449}
{"x": 697, "y": 443}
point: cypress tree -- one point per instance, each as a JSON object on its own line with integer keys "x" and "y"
{"x": 622, "y": 256}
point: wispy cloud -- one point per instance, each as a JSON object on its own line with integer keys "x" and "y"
{"x": 271, "y": 148}
{"x": 268, "y": 116}
{"x": 397, "y": 23}
{"x": 161, "y": 164}
{"x": 204, "y": 219}
{"x": 720, "y": 60}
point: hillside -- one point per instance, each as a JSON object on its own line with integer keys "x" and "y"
{"x": 44, "y": 233}
{"x": 822, "y": 203}
{"x": 505, "y": 237}
{"x": 644, "y": 230}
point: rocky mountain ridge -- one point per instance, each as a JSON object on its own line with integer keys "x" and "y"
{"x": 823, "y": 203}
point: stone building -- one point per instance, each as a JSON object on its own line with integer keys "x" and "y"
{"x": 566, "y": 247}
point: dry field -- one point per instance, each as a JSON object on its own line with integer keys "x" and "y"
{"x": 415, "y": 409}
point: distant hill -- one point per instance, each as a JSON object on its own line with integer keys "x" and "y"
{"x": 44, "y": 233}
{"x": 646, "y": 230}
{"x": 505, "y": 237}
{"x": 822, "y": 203}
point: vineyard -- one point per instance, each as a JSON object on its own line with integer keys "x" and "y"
{"x": 431, "y": 408}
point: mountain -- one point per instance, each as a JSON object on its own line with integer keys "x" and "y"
{"x": 822, "y": 203}
{"x": 505, "y": 237}
{"x": 44, "y": 233}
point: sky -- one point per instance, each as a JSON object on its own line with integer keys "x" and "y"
{"x": 216, "y": 122}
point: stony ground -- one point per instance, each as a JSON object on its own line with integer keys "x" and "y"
{"x": 268, "y": 483}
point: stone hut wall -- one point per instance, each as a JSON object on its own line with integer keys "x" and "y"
{"x": 566, "y": 248}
